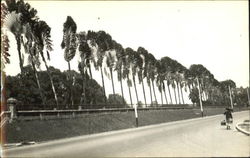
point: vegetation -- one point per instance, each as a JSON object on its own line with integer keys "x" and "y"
{"x": 53, "y": 89}
{"x": 28, "y": 94}
{"x": 60, "y": 128}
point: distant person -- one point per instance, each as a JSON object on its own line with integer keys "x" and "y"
{"x": 229, "y": 117}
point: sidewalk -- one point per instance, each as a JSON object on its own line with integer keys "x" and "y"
{"x": 244, "y": 127}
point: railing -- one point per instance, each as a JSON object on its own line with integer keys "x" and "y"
{"x": 86, "y": 111}
{"x": 44, "y": 114}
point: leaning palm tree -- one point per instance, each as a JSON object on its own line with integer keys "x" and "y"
{"x": 19, "y": 14}
{"x": 103, "y": 42}
{"x": 42, "y": 37}
{"x": 69, "y": 45}
{"x": 126, "y": 71}
{"x": 84, "y": 64}
{"x": 132, "y": 59}
{"x": 143, "y": 69}
{"x": 110, "y": 63}
{"x": 13, "y": 23}
{"x": 160, "y": 78}
{"x": 136, "y": 66}
{"x": 152, "y": 72}
{"x": 121, "y": 56}
{"x": 32, "y": 49}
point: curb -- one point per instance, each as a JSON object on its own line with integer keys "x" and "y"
{"x": 242, "y": 130}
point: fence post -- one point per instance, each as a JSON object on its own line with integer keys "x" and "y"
{"x": 41, "y": 116}
{"x": 12, "y": 105}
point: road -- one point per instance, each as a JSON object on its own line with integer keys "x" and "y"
{"x": 195, "y": 137}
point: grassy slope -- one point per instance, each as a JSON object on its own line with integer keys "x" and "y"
{"x": 37, "y": 130}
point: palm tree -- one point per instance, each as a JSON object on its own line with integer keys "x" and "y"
{"x": 110, "y": 62}
{"x": 31, "y": 48}
{"x": 152, "y": 72}
{"x": 42, "y": 37}
{"x": 160, "y": 78}
{"x": 132, "y": 60}
{"x": 168, "y": 70}
{"x": 119, "y": 64}
{"x": 143, "y": 69}
{"x": 125, "y": 73}
{"x": 19, "y": 14}
{"x": 69, "y": 45}
{"x": 103, "y": 42}
{"x": 136, "y": 70}
{"x": 200, "y": 72}
{"x": 85, "y": 54}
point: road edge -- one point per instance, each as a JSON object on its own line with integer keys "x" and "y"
{"x": 241, "y": 130}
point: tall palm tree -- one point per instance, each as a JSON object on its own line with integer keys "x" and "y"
{"x": 168, "y": 70}
{"x": 143, "y": 69}
{"x": 19, "y": 14}
{"x": 69, "y": 45}
{"x": 132, "y": 60}
{"x": 136, "y": 70}
{"x": 103, "y": 42}
{"x": 31, "y": 48}
{"x": 110, "y": 63}
{"x": 125, "y": 73}
{"x": 152, "y": 72}
{"x": 85, "y": 54}
{"x": 120, "y": 53}
{"x": 42, "y": 37}
{"x": 160, "y": 78}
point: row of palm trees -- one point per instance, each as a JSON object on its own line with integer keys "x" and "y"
{"x": 99, "y": 50}
{"x": 104, "y": 53}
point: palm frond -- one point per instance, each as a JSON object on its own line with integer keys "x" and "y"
{"x": 13, "y": 23}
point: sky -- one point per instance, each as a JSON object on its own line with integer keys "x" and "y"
{"x": 211, "y": 33}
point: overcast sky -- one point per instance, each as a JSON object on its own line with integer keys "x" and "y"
{"x": 212, "y": 33}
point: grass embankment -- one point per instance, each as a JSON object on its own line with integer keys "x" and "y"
{"x": 44, "y": 130}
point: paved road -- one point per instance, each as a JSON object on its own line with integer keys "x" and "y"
{"x": 196, "y": 137}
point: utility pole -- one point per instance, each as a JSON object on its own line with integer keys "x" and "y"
{"x": 200, "y": 97}
{"x": 136, "y": 115}
{"x": 230, "y": 94}
{"x": 248, "y": 96}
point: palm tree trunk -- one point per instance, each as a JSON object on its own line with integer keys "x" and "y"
{"x": 70, "y": 87}
{"x": 83, "y": 96}
{"x": 111, "y": 73}
{"x": 161, "y": 97}
{"x": 38, "y": 82}
{"x": 189, "y": 88}
{"x": 164, "y": 90}
{"x": 18, "y": 41}
{"x": 129, "y": 92}
{"x": 51, "y": 81}
{"x": 121, "y": 86}
{"x": 182, "y": 95}
{"x": 171, "y": 101}
{"x": 150, "y": 92}
{"x": 144, "y": 93}
{"x": 103, "y": 85}
{"x": 175, "y": 93}
{"x": 135, "y": 90}
{"x": 90, "y": 77}
{"x": 154, "y": 92}
{"x": 178, "y": 90}
{"x": 90, "y": 72}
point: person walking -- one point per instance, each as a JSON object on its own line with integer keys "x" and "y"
{"x": 229, "y": 117}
